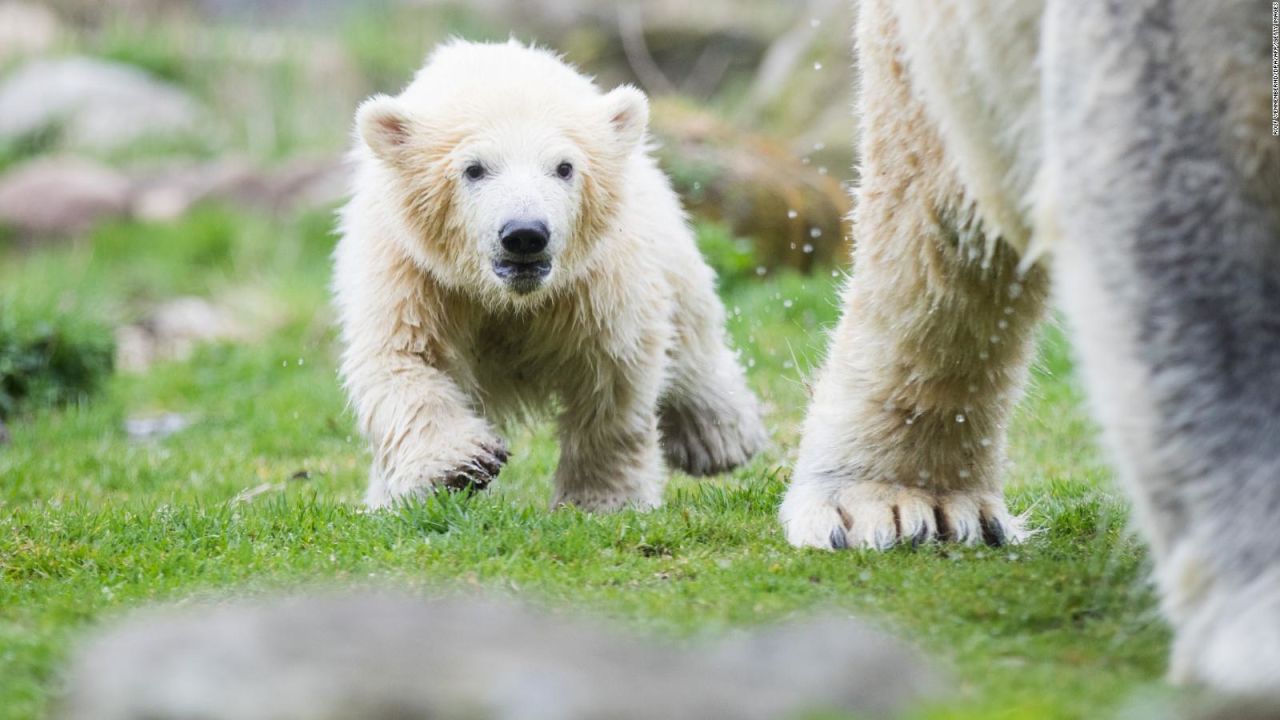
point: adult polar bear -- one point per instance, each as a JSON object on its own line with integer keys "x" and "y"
{"x": 511, "y": 243}
{"x": 1130, "y": 139}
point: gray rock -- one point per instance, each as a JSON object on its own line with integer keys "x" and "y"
{"x": 307, "y": 183}
{"x": 155, "y": 427}
{"x": 95, "y": 104}
{"x": 164, "y": 193}
{"x": 298, "y": 184}
{"x": 172, "y": 330}
{"x": 383, "y": 657}
{"x": 61, "y": 196}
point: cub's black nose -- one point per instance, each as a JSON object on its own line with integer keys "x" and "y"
{"x": 524, "y": 237}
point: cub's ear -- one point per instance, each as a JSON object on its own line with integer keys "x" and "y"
{"x": 628, "y": 113}
{"x": 384, "y": 126}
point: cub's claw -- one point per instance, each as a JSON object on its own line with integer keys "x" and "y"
{"x": 478, "y": 472}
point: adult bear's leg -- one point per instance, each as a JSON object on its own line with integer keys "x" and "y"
{"x": 905, "y": 435}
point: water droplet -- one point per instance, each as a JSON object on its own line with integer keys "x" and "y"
{"x": 808, "y": 249}
{"x": 911, "y": 421}
{"x": 817, "y": 66}
{"x": 761, "y": 270}
{"x": 284, "y": 363}
{"x": 995, "y": 339}
{"x": 985, "y": 442}
{"x": 984, "y": 355}
{"x": 815, "y": 232}
{"x": 1015, "y": 289}
{"x": 697, "y": 185}
{"x": 963, "y": 474}
{"x": 792, "y": 214}
{"x": 822, "y": 169}
{"x": 1002, "y": 324}
{"x": 301, "y": 361}
{"x": 1008, "y": 310}
{"x": 960, "y": 417}
{"x": 819, "y": 146}
{"x": 787, "y": 303}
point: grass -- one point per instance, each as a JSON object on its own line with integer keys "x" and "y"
{"x": 262, "y": 491}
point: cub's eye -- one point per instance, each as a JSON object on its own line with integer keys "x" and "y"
{"x": 475, "y": 171}
{"x": 564, "y": 170}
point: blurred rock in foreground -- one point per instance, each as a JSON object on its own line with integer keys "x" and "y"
{"x": 381, "y": 657}
{"x": 792, "y": 210}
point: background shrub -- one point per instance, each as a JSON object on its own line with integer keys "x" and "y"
{"x": 50, "y": 362}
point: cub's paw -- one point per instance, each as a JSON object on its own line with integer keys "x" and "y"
{"x": 478, "y": 470}
{"x": 461, "y": 466}
{"x": 701, "y": 442}
{"x": 880, "y": 515}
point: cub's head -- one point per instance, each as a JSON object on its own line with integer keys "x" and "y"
{"x": 505, "y": 164}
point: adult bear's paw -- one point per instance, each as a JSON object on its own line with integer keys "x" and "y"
{"x": 881, "y": 515}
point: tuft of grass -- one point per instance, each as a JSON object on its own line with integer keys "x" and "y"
{"x": 262, "y": 492}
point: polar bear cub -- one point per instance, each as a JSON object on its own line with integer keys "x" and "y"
{"x": 511, "y": 246}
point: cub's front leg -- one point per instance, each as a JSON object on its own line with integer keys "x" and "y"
{"x": 422, "y": 430}
{"x": 610, "y": 457}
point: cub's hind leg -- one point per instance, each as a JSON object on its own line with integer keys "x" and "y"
{"x": 709, "y": 419}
